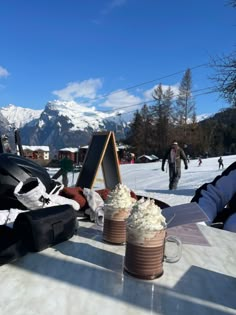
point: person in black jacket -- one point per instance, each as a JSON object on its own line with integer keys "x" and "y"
{"x": 220, "y": 161}
{"x": 174, "y": 155}
{"x": 218, "y": 199}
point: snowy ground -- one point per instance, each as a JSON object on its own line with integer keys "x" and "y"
{"x": 148, "y": 179}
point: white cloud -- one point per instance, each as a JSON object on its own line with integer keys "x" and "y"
{"x": 148, "y": 93}
{"x": 86, "y": 89}
{"x": 3, "y": 72}
{"x": 122, "y": 100}
{"x": 108, "y": 8}
{"x": 112, "y": 5}
{"x": 86, "y": 93}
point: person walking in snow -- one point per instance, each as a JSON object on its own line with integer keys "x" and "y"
{"x": 220, "y": 161}
{"x": 199, "y": 162}
{"x": 66, "y": 166}
{"x": 174, "y": 155}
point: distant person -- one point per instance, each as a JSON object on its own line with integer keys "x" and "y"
{"x": 199, "y": 161}
{"x": 220, "y": 161}
{"x": 132, "y": 158}
{"x": 66, "y": 166}
{"x": 174, "y": 155}
{"x": 218, "y": 199}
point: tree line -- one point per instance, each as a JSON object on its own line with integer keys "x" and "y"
{"x": 173, "y": 117}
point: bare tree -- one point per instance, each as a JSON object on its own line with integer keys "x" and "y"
{"x": 232, "y": 3}
{"x": 225, "y": 77}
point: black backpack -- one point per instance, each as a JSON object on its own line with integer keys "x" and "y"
{"x": 36, "y": 230}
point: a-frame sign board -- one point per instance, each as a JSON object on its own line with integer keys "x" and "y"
{"x": 101, "y": 152}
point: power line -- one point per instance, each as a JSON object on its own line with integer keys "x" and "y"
{"x": 200, "y": 94}
{"x": 146, "y": 102}
{"x": 143, "y": 83}
{"x": 151, "y": 81}
{"x": 210, "y": 87}
{"x": 209, "y": 92}
{"x": 127, "y": 106}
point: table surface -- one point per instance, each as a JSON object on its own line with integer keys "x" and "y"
{"x": 85, "y": 276}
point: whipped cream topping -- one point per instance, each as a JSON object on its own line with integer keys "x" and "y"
{"x": 119, "y": 198}
{"x": 146, "y": 216}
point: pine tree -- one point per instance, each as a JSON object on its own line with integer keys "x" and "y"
{"x": 147, "y": 129}
{"x": 141, "y": 131}
{"x": 185, "y": 105}
{"x": 136, "y": 132}
{"x": 162, "y": 112}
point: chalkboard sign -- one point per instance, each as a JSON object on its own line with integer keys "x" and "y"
{"x": 101, "y": 152}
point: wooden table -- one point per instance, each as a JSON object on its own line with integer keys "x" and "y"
{"x": 85, "y": 276}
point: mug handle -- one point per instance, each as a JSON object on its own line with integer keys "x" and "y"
{"x": 99, "y": 216}
{"x": 177, "y": 241}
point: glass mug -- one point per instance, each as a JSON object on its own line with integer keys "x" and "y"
{"x": 144, "y": 257}
{"x": 114, "y": 226}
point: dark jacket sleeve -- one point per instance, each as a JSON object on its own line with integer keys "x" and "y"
{"x": 183, "y": 157}
{"x": 165, "y": 158}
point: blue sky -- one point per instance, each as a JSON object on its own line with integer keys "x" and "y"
{"x": 110, "y": 53}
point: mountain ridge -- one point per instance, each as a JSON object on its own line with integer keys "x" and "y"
{"x": 61, "y": 124}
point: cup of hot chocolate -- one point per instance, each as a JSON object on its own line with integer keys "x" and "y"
{"x": 117, "y": 209}
{"x": 146, "y": 241}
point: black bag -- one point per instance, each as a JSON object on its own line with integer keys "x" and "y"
{"x": 42, "y": 228}
{"x": 11, "y": 246}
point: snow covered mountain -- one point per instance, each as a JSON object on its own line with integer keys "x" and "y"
{"x": 62, "y": 124}
{"x": 19, "y": 116}
{"x": 78, "y": 117}
{"x": 5, "y": 127}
